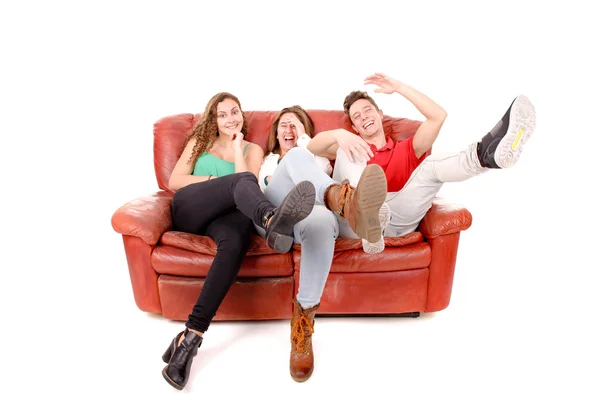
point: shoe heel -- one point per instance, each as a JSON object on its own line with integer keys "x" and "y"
{"x": 280, "y": 243}
{"x": 177, "y": 371}
{"x": 296, "y": 206}
{"x": 372, "y": 192}
{"x": 167, "y": 355}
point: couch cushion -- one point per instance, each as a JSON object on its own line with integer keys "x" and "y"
{"x": 205, "y": 245}
{"x": 401, "y": 253}
{"x": 390, "y": 292}
{"x": 355, "y": 244}
{"x": 248, "y": 298}
{"x": 186, "y": 254}
{"x": 175, "y": 261}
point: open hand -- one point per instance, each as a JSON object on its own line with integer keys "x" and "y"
{"x": 386, "y": 84}
{"x": 294, "y": 122}
{"x": 356, "y": 149}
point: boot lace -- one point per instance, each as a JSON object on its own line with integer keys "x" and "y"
{"x": 345, "y": 192}
{"x": 301, "y": 331}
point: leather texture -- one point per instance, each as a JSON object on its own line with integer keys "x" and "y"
{"x": 167, "y": 268}
{"x": 302, "y": 325}
{"x": 248, "y": 298}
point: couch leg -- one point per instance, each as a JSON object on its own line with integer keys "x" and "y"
{"x": 413, "y": 314}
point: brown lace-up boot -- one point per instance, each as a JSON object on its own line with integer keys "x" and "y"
{"x": 360, "y": 205}
{"x": 301, "y": 357}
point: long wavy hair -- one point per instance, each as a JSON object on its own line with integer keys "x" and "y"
{"x": 206, "y": 131}
{"x": 309, "y": 127}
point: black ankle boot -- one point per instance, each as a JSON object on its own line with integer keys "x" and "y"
{"x": 180, "y": 359}
{"x": 296, "y": 206}
{"x": 167, "y": 355}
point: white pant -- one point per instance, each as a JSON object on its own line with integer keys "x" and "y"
{"x": 411, "y": 203}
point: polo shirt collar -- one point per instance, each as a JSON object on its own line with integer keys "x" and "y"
{"x": 389, "y": 145}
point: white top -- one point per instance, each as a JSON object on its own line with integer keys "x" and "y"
{"x": 270, "y": 162}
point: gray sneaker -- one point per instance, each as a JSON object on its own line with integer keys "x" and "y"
{"x": 502, "y": 146}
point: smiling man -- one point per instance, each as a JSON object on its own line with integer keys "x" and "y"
{"x": 414, "y": 179}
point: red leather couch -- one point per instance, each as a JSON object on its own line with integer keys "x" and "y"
{"x": 167, "y": 269}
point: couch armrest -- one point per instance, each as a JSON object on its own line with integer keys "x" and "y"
{"x": 444, "y": 218}
{"x": 146, "y": 217}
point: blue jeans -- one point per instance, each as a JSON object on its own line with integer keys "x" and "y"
{"x": 317, "y": 233}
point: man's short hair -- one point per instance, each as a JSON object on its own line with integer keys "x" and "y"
{"x": 353, "y": 97}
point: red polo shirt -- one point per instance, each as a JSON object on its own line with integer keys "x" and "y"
{"x": 398, "y": 160}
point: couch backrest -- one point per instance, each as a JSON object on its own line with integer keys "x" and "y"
{"x": 170, "y": 133}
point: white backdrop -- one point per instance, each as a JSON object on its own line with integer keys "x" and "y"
{"x": 82, "y": 83}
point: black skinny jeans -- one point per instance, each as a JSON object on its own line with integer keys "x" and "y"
{"x": 223, "y": 209}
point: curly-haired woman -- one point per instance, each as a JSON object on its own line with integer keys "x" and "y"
{"x": 217, "y": 195}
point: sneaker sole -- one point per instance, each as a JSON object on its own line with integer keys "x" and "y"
{"x": 371, "y": 192}
{"x": 384, "y": 220}
{"x": 520, "y": 127}
{"x": 296, "y": 206}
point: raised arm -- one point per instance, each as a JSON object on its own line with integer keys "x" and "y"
{"x": 433, "y": 113}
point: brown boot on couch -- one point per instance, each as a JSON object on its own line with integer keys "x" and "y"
{"x": 360, "y": 205}
{"x": 301, "y": 357}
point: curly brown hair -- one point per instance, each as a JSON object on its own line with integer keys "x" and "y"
{"x": 309, "y": 127}
{"x": 206, "y": 132}
{"x": 353, "y": 97}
